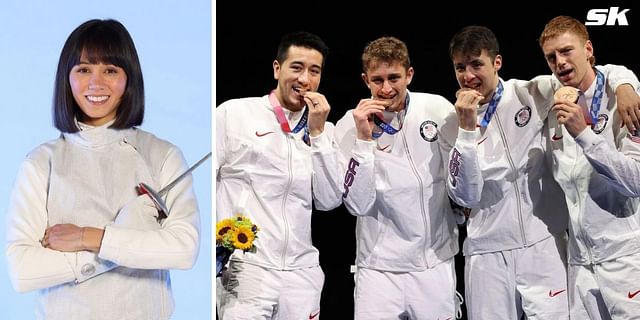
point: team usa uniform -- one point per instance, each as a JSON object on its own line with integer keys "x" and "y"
{"x": 406, "y": 231}
{"x": 600, "y": 175}
{"x": 500, "y": 171}
{"x": 515, "y": 250}
{"x": 272, "y": 177}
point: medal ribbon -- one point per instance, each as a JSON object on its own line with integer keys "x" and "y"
{"x": 597, "y": 97}
{"x": 284, "y": 123}
{"x": 492, "y": 106}
{"x": 379, "y": 121}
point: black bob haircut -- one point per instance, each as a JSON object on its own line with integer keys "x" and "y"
{"x": 102, "y": 41}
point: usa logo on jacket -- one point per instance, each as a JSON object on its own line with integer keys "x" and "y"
{"x": 602, "y": 123}
{"x": 523, "y": 116}
{"x": 429, "y": 131}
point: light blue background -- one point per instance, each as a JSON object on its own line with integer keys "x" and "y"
{"x": 173, "y": 39}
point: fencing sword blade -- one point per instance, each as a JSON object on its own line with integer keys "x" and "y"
{"x": 182, "y": 176}
{"x": 156, "y": 197}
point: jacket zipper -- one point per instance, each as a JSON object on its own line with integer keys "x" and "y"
{"x": 580, "y": 206}
{"x": 515, "y": 183}
{"x": 284, "y": 201}
{"x": 417, "y": 175}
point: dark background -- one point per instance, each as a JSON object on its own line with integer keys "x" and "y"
{"x": 247, "y": 35}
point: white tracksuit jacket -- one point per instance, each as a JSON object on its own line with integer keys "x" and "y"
{"x": 405, "y": 222}
{"x": 600, "y": 175}
{"x": 504, "y": 174}
{"x": 271, "y": 177}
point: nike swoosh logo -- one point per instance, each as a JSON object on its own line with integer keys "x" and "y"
{"x": 481, "y": 141}
{"x": 556, "y": 138}
{"x": 383, "y": 148}
{"x": 313, "y": 316}
{"x": 632, "y": 295}
{"x": 553, "y": 294}
{"x": 263, "y": 134}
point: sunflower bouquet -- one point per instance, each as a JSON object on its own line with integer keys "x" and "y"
{"x": 231, "y": 234}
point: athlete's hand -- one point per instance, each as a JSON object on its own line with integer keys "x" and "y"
{"x": 71, "y": 238}
{"x": 571, "y": 116}
{"x": 363, "y": 116}
{"x": 628, "y": 107}
{"x": 318, "y": 112}
{"x": 467, "y": 101}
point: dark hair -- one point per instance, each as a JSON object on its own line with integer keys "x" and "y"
{"x": 301, "y": 39}
{"x": 109, "y": 42}
{"x": 385, "y": 49}
{"x": 471, "y": 40}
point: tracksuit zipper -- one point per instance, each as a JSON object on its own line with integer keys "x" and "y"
{"x": 515, "y": 183}
{"x": 284, "y": 201}
{"x": 415, "y": 172}
{"x": 580, "y": 206}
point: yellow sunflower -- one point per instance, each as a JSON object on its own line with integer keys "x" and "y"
{"x": 222, "y": 228}
{"x": 243, "y": 238}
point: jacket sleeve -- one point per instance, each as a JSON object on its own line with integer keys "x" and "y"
{"x": 173, "y": 246}
{"x": 538, "y": 90}
{"x": 621, "y": 168}
{"x": 619, "y": 165}
{"x": 617, "y": 75}
{"x": 327, "y": 186}
{"x": 357, "y": 162}
{"x": 32, "y": 266}
{"x": 465, "y": 182}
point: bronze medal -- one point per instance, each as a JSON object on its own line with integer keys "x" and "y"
{"x": 566, "y": 93}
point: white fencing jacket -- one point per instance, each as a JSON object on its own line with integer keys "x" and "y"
{"x": 503, "y": 172}
{"x": 85, "y": 178}
{"x": 600, "y": 175}
{"x": 395, "y": 185}
{"x": 271, "y": 177}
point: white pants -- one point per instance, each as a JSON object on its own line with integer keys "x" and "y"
{"x": 506, "y": 284}
{"x": 608, "y": 290}
{"x": 429, "y": 294}
{"x": 251, "y": 292}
